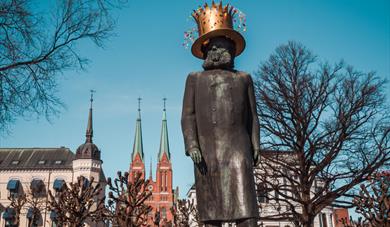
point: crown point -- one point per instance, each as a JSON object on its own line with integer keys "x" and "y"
{"x": 206, "y": 6}
{"x": 226, "y": 9}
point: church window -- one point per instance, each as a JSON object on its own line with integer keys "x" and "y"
{"x": 161, "y": 179}
{"x": 166, "y": 181}
{"x": 164, "y": 212}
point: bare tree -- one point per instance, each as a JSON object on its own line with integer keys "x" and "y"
{"x": 334, "y": 121}
{"x": 185, "y": 214}
{"x": 32, "y": 201}
{"x": 79, "y": 203}
{"x": 127, "y": 200}
{"x": 18, "y": 201}
{"x": 34, "y": 48}
{"x": 354, "y": 223}
{"x": 36, "y": 204}
{"x": 373, "y": 201}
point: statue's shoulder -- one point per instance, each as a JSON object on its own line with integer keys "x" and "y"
{"x": 245, "y": 76}
{"x": 193, "y": 76}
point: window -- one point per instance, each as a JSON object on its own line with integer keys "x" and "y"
{"x": 34, "y": 217}
{"x": 164, "y": 212}
{"x": 9, "y": 215}
{"x": 41, "y": 162}
{"x": 84, "y": 181}
{"x": 15, "y": 162}
{"x": 13, "y": 186}
{"x": 262, "y": 194}
{"x": 58, "y": 184}
{"x": 58, "y": 162}
{"x": 37, "y": 188}
{"x": 331, "y": 220}
{"x": 324, "y": 221}
{"x": 53, "y": 218}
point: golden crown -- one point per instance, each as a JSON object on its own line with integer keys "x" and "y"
{"x": 214, "y": 17}
{"x": 217, "y": 20}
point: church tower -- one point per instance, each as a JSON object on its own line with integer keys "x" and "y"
{"x": 164, "y": 172}
{"x": 137, "y": 165}
{"x": 162, "y": 196}
{"x": 87, "y": 160}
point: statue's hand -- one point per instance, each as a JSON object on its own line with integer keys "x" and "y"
{"x": 256, "y": 157}
{"x": 195, "y": 155}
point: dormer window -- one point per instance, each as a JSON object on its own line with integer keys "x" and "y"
{"x": 15, "y": 162}
{"x": 41, "y": 162}
{"x": 58, "y": 162}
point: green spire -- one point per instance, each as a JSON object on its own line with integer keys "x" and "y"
{"x": 138, "y": 147}
{"x": 164, "y": 143}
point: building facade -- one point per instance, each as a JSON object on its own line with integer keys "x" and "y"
{"x": 161, "y": 186}
{"x": 29, "y": 170}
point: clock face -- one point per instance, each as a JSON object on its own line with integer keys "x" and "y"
{"x": 150, "y": 187}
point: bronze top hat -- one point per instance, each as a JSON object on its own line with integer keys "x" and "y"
{"x": 215, "y": 21}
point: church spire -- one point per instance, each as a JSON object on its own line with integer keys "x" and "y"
{"x": 164, "y": 143}
{"x": 138, "y": 146}
{"x": 89, "y": 132}
{"x": 88, "y": 150}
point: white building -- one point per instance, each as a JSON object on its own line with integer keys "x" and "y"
{"x": 26, "y": 170}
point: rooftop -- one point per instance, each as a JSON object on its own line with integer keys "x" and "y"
{"x": 35, "y": 158}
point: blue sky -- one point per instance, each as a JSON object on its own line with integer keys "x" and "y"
{"x": 146, "y": 59}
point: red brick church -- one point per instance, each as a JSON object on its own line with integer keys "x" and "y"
{"x": 163, "y": 195}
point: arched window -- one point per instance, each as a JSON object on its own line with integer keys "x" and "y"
{"x": 9, "y": 216}
{"x": 14, "y": 187}
{"x": 163, "y": 212}
{"x": 59, "y": 185}
{"x": 37, "y": 188}
{"x": 166, "y": 181}
{"x": 34, "y": 217}
{"x": 53, "y": 218}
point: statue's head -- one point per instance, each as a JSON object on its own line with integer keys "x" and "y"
{"x": 219, "y": 54}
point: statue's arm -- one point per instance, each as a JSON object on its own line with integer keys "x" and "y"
{"x": 254, "y": 120}
{"x": 188, "y": 118}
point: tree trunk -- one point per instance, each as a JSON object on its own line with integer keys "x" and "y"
{"x": 309, "y": 221}
{"x": 307, "y": 217}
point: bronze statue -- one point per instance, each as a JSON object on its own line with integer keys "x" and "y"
{"x": 220, "y": 124}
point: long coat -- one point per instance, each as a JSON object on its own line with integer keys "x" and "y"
{"x": 219, "y": 118}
